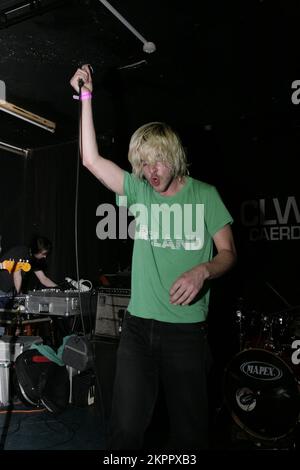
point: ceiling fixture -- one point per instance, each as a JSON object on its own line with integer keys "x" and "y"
{"x": 148, "y": 46}
{"x": 27, "y": 116}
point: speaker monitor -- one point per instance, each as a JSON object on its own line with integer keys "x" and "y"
{"x": 111, "y": 306}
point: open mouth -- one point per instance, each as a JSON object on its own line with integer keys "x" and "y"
{"x": 154, "y": 180}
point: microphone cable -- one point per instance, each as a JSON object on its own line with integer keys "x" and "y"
{"x": 79, "y": 154}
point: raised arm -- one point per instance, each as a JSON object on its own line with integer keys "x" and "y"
{"x": 110, "y": 174}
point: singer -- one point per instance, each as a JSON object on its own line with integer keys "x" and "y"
{"x": 164, "y": 334}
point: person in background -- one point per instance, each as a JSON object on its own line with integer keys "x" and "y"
{"x": 18, "y": 280}
{"x": 164, "y": 334}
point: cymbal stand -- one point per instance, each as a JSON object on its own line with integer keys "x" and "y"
{"x": 241, "y": 333}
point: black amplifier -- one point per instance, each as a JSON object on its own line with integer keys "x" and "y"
{"x": 111, "y": 307}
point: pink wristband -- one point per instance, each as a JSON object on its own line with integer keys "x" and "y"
{"x": 84, "y": 96}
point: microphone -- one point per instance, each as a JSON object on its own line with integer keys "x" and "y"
{"x": 81, "y": 81}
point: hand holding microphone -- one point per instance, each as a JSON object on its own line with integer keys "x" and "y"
{"x": 82, "y": 79}
{"x": 80, "y": 83}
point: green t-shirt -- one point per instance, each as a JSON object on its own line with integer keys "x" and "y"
{"x": 172, "y": 235}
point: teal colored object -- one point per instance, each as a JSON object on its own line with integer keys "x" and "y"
{"x": 49, "y": 352}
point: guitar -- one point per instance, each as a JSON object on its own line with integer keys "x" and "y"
{"x": 12, "y": 266}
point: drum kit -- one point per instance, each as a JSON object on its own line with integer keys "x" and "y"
{"x": 262, "y": 381}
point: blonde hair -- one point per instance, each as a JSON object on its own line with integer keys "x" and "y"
{"x": 153, "y": 142}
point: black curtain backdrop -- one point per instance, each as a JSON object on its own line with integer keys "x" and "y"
{"x": 51, "y": 196}
{"x": 13, "y": 220}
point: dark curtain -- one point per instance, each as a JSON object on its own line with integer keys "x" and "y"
{"x": 51, "y": 194}
{"x": 13, "y": 219}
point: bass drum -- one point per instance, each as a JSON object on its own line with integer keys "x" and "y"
{"x": 261, "y": 391}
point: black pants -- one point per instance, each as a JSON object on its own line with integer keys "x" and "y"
{"x": 179, "y": 355}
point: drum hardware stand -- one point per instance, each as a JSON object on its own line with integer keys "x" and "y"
{"x": 239, "y": 318}
{"x": 267, "y": 333}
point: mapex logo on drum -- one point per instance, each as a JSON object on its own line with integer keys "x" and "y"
{"x": 261, "y": 370}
